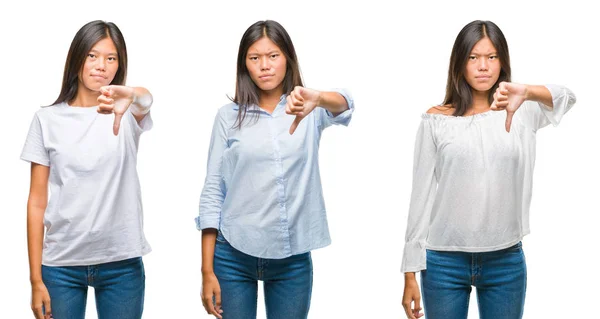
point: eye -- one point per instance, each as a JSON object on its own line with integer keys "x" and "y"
{"x": 91, "y": 55}
{"x": 493, "y": 57}
{"x": 274, "y": 55}
{"x": 112, "y": 58}
{"x": 472, "y": 58}
{"x": 253, "y": 58}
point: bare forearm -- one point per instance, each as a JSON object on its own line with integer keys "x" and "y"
{"x": 333, "y": 102}
{"x": 142, "y": 101}
{"x": 539, "y": 93}
{"x": 209, "y": 238}
{"x": 35, "y": 238}
{"x": 36, "y": 207}
{"x": 409, "y": 276}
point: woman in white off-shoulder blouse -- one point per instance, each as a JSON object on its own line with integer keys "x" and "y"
{"x": 473, "y": 169}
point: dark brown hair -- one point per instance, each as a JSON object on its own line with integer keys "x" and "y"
{"x": 458, "y": 91}
{"x": 82, "y": 43}
{"x": 247, "y": 94}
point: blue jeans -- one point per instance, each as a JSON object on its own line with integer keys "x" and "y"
{"x": 287, "y": 283}
{"x": 499, "y": 276}
{"x": 119, "y": 289}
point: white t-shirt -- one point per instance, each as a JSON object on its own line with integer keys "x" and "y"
{"x": 472, "y": 181}
{"x": 94, "y": 214}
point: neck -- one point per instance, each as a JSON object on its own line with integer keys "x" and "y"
{"x": 85, "y": 97}
{"x": 269, "y": 100}
{"x": 480, "y": 102}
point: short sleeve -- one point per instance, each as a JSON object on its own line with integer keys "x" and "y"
{"x": 34, "y": 150}
{"x": 144, "y": 125}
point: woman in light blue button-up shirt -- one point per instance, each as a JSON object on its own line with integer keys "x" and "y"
{"x": 262, "y": 209}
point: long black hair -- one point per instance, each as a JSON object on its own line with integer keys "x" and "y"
{"x": 82, "y": 43}
{"x": 458, "y": 91}
{"x": 247, "y": 94}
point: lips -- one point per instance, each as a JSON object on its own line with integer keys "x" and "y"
{"x": 265, "y": 77}
{"x": 98, "y": 76}
{"x": 483, "y": 77}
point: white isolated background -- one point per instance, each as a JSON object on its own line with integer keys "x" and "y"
{"x": 393, "y": 57}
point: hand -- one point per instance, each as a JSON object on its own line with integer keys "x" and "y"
{"x": 210, "y": 288}
{"x": 509, "y": 97}
{"x": 40, "y": 299}
{"x": 412, "y": 293}
{"x": 115, "y": 99}
{"x": 301, "y": 102}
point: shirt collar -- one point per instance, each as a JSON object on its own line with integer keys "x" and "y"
{"x": 281, "y": 100}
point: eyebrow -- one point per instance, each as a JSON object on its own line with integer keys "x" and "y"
{"x": 268, "y": 53}
{"x": 111, "y": 53}
{"x": 492, "y": 53}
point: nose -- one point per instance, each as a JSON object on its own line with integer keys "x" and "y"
{"x": 483, "y": 64}
{"x": 264, "y": 63}
{"x": 100, "y": 64}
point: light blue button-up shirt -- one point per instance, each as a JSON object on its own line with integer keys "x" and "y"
{"x": 263, "y": 188}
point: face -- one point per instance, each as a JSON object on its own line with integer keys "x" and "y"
{"x": 100, "y": 66}
{"x": 483, "y": 66}
{"x": 267, "y": 65}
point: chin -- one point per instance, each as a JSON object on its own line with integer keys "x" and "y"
{"x": 482, "y": 88}
{"x": 268, "y": 88}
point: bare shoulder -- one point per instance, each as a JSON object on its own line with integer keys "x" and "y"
{"x": 441, "y": 109}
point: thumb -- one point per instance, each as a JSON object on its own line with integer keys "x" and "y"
{"x": 509, "y": 116}
{"x": 295, "y": 124}
{"x": 117, "y": 123}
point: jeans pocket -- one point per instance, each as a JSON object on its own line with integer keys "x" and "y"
{"x": 220, "y": 237}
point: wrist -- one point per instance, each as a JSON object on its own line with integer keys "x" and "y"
{"x": 36, "y": 280}
{"x": 528, "y": 95}
{"x": 320, "y": 98}
{"x": 207, "y": 271}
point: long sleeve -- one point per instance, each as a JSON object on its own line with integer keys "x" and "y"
{"x": 325, "y": 118}
{"x": 423, "y": 193}
{"x": 213, "y": 193}
{"x": 537, "y": 115}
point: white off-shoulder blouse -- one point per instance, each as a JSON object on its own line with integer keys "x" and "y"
{"x": 472, "y": 180}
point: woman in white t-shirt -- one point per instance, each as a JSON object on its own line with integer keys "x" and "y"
{"x": 87, "y": 158}
{"x": 473, "y": 169}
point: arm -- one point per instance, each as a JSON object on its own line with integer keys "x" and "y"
{"x": 210, "y": 283}
{"x": 421, "y": 203}
{"x": 36, "y": 206}
{"x": 208, "y": 220}
{"x": 302, "y": 101}
{"x": 142, "y": 101}
{"x": 553, "y": 102}
{"x": 118, "y": 98}
{"x": 539, "y": 93}
{"x": 333, "y": 102}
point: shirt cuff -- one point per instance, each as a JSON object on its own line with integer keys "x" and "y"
{"x": 32, "y": 158}
{"x": 207, "y": 222}
{"x": 414, "y": 259}
{"x": 344, "y": 117}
